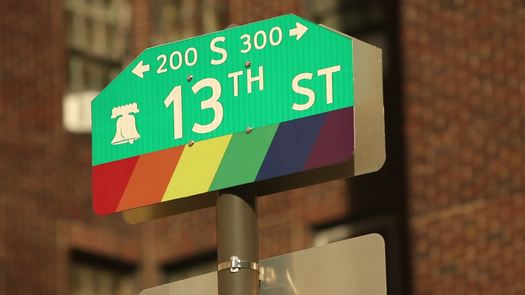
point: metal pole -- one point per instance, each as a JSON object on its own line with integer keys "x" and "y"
{"x": 237, "y": 236}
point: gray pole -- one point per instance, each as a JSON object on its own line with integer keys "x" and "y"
{"x": 237, "y": 236}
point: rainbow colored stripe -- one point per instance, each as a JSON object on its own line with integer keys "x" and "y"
{"x": 226, "y": 161}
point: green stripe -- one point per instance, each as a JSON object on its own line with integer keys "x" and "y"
{"x": 244, "y": 157}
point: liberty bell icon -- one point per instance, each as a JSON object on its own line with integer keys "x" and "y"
{"x": 126, "y": 128}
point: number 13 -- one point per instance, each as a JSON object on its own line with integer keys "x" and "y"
{"x": 175, "y": 98}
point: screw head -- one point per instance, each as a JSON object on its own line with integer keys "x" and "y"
{"x": 190, "y": 77}
{"x": 191, "y": 143}
{"x": 247, "y": 64}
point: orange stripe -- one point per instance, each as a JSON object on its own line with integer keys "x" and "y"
{"x": 150, "y": 178}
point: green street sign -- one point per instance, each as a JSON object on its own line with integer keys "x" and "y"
{"x": 231, "y": 81}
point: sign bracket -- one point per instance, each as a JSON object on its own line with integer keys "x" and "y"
{"x": 235, "y": 264}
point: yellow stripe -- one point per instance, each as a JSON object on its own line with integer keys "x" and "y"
{"x": 196, "y": 168}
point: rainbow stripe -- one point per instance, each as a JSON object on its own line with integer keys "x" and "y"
{"x": 226, "y": 161}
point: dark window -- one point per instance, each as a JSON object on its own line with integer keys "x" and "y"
{"x": 190, "y": 267}
{"x": 3, "y": 280}
{"x": 95, "y": 275}
{"x": 378, "y": 201}
{"x": 362, "y": 19}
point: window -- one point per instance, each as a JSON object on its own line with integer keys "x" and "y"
{"x": 190, "y": 267}
{"x": 173, "y": 20}
{"x": 97, "y": 34}
{"x": 363, "y": 19}
{"x": 332, "y": 234}
{"x": 376, "y": 208}
{"x": 93, "y": 275}
{"x": 97, "y": 40}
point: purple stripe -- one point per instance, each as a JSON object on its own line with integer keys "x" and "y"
{"x": 335, "y": 143}
{"x": 291, "y": 147}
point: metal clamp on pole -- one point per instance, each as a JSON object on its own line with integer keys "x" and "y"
{"x": 235, "y": 264}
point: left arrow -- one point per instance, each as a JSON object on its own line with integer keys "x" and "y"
{"x": 140, "y": 69}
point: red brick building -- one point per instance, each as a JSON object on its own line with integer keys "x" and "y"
{"x": 450, "y": 200}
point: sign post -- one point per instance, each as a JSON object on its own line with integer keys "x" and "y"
{"x": 249, "y": 110}
{"x": 237, "y": 243}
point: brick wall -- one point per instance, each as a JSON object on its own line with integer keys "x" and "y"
{"x": 465, "y": 129}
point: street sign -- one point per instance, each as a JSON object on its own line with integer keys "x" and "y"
{"x": 243, "y": 105}
{"x": 369, "y": 154}
{"x": 351, "y": 267}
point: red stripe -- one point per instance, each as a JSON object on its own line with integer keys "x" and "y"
{"x": 109, "y": 182}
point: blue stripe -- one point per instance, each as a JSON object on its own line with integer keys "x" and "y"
{"x": 291, "y": 147}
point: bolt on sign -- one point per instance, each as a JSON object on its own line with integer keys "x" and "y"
{"x": 242, "y": 105}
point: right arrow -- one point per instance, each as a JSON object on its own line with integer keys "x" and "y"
{"x": 298, "y": 31}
